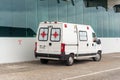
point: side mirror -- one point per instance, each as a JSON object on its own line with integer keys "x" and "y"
{"x": 98, "y": 41}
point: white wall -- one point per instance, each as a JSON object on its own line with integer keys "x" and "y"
{"x": 11, "y": 50}
{"x": 16, "y": 49}
{"x": 110, "y": 45}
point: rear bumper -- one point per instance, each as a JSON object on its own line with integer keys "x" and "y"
{"x": 51, "y": 56}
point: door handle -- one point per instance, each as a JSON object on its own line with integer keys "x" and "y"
{"x": 50, "y": 44}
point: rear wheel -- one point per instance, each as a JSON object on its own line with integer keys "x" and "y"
{"x": 70, "y": 60}
{"x": 98, "y": 56}
{"x": 44, "y": 61}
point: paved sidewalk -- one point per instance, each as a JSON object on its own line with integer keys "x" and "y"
{"x": 58, "y": 71}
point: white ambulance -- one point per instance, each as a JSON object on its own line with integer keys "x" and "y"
{"x": 66, "y": 42}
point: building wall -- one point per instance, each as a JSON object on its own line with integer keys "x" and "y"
{"x": 18, "y": 13}
{"x": 28, "y": 13}
{"x": 16, "y": 50}
{"x": 110, "y": 45}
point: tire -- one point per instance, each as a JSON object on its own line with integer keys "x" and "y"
{"x": 70, "y": 60}
{"x": 98, "y": 56}
{"x": 44, "y": 61}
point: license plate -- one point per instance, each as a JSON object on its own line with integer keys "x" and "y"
{"x": 42, "y": 46}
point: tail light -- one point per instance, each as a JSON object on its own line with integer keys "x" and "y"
{"x": 35, "y": 46}
{"x": 62, "y": 48}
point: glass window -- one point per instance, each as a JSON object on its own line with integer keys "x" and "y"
{"x": 83, "y": 35}
{"x": 43, "y": 34}
{"x": 5, "y": 31}
{"x": 93, "y": 35}
{"x": 16, "y": 32}
{"x": 55, "y": 34}
{"x": 30, "y": 33}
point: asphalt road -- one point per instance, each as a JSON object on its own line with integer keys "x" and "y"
{"x": 107, "y": 69}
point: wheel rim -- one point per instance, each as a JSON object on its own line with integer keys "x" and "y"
{"x": 71, "y": 60}
{"x": 97, "y": 57}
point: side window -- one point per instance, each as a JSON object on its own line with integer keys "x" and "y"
{"x": 55, "y": 34}
{"x": 83, "y": 35}
{"x": 94, "y": 37}
{"x": 43, "y": 34}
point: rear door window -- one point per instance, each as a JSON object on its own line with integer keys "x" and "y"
{"x": 55, "y": 34}
{"x": 43, "y": 34}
